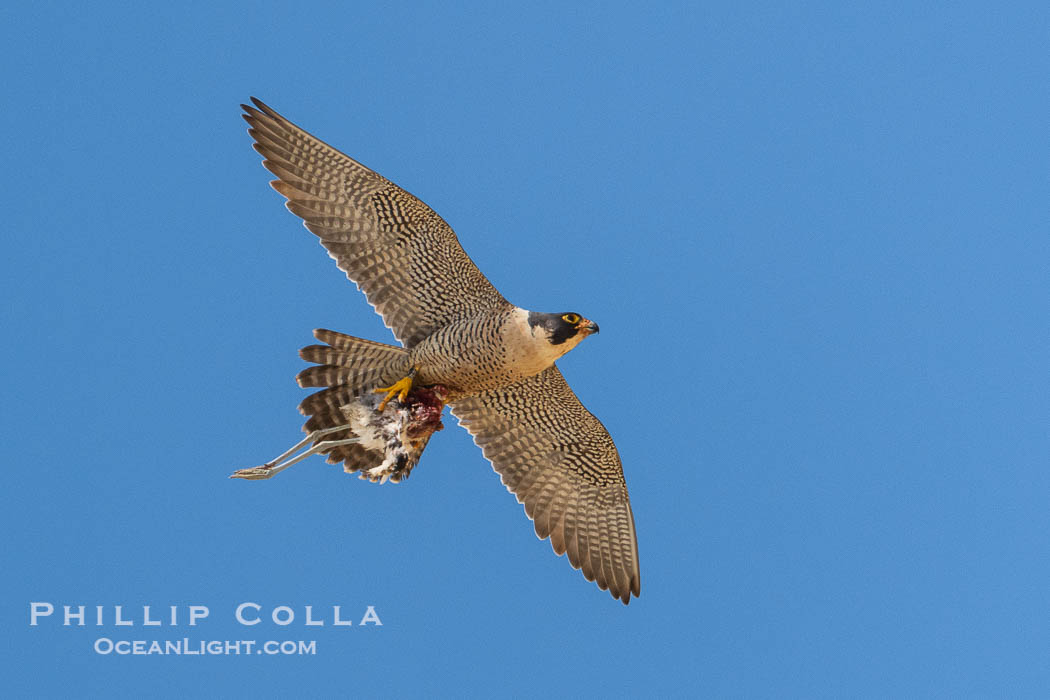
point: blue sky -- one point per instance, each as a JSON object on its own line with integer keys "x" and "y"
{"x": 815, "y": 238}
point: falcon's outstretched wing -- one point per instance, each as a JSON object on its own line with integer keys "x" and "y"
{"x": 560, "y": 462}
{"x": 402, "y": 255}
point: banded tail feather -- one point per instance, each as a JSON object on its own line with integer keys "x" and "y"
{"x": 347, "y": 369}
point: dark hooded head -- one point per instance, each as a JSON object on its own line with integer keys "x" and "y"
{"x": 568, "y": 326}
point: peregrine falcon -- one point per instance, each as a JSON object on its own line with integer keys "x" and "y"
{"x": 462, "y": 344}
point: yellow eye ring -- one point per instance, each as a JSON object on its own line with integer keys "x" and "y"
{"x": 571, "y": 318}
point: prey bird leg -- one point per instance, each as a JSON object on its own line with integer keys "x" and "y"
{"x": 277, "y": 464}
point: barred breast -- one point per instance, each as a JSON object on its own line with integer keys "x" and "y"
{"x": 488, "y": 351}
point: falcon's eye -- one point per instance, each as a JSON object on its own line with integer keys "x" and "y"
{"x": 571, "y": 318}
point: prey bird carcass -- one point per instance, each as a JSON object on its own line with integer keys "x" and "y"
{"x": 396, "y": 434}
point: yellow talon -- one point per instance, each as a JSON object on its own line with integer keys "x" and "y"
{"x": 400, "y": 388}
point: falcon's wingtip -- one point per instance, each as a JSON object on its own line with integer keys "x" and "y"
{"x": 260, "y": 109}
{"x": 259, "y": 103}
{"x": 634, "y": 588}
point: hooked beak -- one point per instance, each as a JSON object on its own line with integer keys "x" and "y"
{"x": 587, "y": 327}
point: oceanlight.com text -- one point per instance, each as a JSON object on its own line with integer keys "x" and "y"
{"x": 203, "y": 647}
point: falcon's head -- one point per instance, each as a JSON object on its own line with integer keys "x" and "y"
{"x": 564, "y": 329}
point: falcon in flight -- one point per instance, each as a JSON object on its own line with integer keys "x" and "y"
{"x": 462, "y": 344}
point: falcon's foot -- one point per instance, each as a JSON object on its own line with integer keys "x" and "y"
{"x": 400, "y": 388}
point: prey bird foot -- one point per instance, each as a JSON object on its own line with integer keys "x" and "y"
{"x": 261, "y": 472}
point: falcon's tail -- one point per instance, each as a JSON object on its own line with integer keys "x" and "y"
{"x": 349, "y": 367}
